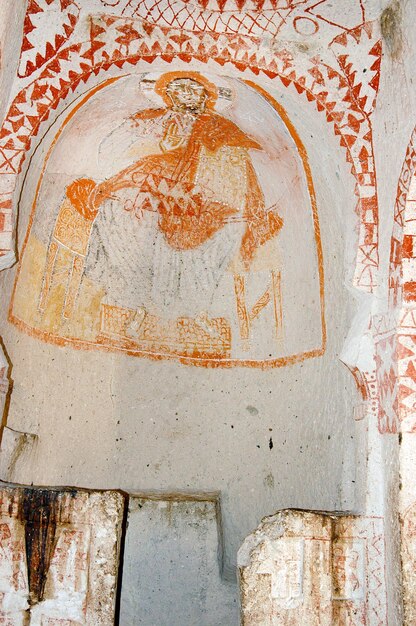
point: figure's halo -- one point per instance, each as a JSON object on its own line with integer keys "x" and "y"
{"x": 165, "y": 79}
{"x": 154, "y": 86}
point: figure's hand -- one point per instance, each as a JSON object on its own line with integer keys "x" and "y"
{"x": 78, "y": 193}
{"x": 172, "y": 139}
{"x": 79, "y": 190}
{"x": 99, "y": 194}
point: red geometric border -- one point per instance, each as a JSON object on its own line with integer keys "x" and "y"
{"x": 395, "y": 337}
{"x": 31, "y": 57}
{"x": 117, "y": 41}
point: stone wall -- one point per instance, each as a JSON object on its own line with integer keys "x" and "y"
{"x": 211, "y": 218}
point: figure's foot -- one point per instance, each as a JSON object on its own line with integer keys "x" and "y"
{"x": 135, "y": 324}
{"x": 203, "y": 321}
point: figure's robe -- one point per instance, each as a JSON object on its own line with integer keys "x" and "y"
{"x": 197, "y": 205}
{"x": 190, "y": 210}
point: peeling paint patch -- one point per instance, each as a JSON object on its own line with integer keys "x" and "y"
{"x": 38, "y": 510}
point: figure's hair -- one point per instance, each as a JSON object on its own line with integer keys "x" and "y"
{"x": 164, "y": 80}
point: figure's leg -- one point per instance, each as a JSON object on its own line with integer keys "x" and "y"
{"x": 277, "y": 301}
{"x": 247, "y": 315}
{"x": 73, "y": 286}
{"x": 134, "y": 326}
{"x": 242, "y": 312}
{"x": 48, "y": 275}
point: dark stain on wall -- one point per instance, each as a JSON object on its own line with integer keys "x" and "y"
{"x": 391, "y": 28}
{"x": 40, "y": 512}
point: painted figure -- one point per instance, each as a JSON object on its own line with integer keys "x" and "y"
{"x": 167, "y": 227}
{"x": 163, "y": 235}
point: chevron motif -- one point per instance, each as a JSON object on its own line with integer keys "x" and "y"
{"x": 119, "y": 42}
{"x": 37, "y": 47}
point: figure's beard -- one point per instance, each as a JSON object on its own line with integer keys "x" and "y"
{"x": 194, "y": 109}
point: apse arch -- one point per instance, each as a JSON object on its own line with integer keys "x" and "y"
{"x": 274, "y": 416}
{"x": 347, "y": 117}
{"x": 261, "y": 231}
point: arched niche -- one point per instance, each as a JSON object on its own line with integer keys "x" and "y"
{"x": 191, "y": 255}
{"x": 265, "y": 423}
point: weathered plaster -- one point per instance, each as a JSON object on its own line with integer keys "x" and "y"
{"x": 264, "y": 439}
{"x": 173, "y": 406}
{"x": 60, "y": 551}
{"x": 176, "y": 538}
{"x": 300, "y": 567}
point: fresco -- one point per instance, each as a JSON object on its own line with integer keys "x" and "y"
{"x": 178, "y": 221}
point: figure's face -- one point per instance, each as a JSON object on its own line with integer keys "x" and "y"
{"x": 187, "y": 94}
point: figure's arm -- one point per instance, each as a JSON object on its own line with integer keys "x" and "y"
{"x": 105, "y": 190}
{"x": 127, "y": 177}
{"x": 86, "y": 195}
{"x": 147, "y": 121}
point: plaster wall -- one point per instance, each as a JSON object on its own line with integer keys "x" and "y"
{"x": 263, "y": 439}
{"x": 393, "y": 125}
{"x": 138, "y": 425}
{"x": 177, "y": 540}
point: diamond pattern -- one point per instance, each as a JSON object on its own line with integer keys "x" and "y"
{"x": 334, "y": 90}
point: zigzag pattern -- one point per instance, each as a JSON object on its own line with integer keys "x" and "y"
{"x": 386, "y": 367}
{"x": 398, "y": 403}
{"x": 230, "y": 5}
{"x": 129, "y": 7}
{"x": 396, "y": 249}
{"x": 396, "y": 371}
{"x": 348, "y": 49}
{"x": 191, "y": 17}
{"x": 351, "y": 46}
{"x": 37, "y": 48}
{"x": 128, "y": 44}
{"x": 373, "y": 604}
{"x": 247, "y": 17}
{"x": 118, "y": 41}
{"x": 407, "y": 380}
